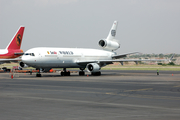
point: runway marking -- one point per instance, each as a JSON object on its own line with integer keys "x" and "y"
{"x": 109, "y": 93}
{"x": 145, "y": 89}
{"x": 97, "y": 103}
{"x": 150, "y": 96}
{"x": 138, "y": 90}
{"x": 177, "y": 86}
{"x": 48, "y": 86}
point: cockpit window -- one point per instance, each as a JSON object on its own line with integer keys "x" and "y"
{"x": 31, "y": 54}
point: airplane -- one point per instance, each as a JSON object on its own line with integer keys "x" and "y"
{"x": 12, "y": 51}
{"x": 45, "y": 58}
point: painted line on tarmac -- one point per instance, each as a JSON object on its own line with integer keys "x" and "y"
{"x": 123, "y": 93}
{"x": 96, "y": 103}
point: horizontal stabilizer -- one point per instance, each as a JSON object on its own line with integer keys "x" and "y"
{"x": 10, "y": 60}
{"x": 18, "y": 53}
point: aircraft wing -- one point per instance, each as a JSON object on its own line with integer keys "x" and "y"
{"x": 123, "y": 55}
{"x": 118, "y": 60}
{"x": 122, "y": 60}
{"x": 134, "y": 60}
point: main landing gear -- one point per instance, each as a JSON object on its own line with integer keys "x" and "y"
{"x": 96, "y": 73}
{"x": 81, "y": 73}
{"x": 65, "y": 73}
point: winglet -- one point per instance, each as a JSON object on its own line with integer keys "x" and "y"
{"x": 171, "y": 58}
{"x": 16, "y": 41}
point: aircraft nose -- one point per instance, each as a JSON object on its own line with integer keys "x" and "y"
{"x": 25, "y": 59}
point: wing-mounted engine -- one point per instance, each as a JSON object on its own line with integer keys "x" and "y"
{"x": 93, "y": 67}
{"x": 23, "y": 65}
{"x": 45, "y": 69}
{"x": 110, "y": 43}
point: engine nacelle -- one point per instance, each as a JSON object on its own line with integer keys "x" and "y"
{"x": 109, "y": 44}
{"x": 45, "y": 69}
{"x": 23, "y": 65}
{"x": 93, "y": 67}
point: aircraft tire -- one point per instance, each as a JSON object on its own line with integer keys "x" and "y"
{"x": 38, "y": 75}
{"x": 81, "y": 73}
{"x": 62, "y": 73}
{"x": 65, "y": 73}
{"x": 96, "y": 73}
{"x": 68, "y": 73}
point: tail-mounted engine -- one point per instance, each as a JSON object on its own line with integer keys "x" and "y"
{"x": 110, "y": 43}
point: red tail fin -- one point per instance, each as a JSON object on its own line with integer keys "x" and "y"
{"x": 16, "y": 41}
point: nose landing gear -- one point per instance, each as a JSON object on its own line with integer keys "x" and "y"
{"x": 38, "y": 74}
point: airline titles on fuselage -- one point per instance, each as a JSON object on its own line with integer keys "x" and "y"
{"x": 61, "y": 52}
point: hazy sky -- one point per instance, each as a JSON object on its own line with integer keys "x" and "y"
{"x": 147, "y": 26}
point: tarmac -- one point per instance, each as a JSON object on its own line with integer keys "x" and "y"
{"x": 116, "y": 94}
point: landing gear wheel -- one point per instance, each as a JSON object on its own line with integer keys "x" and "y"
{"x": 64, "y": 73}
{"x": 68, "y": 73}
{"x": 81, "y": 73}
{"x": 38, "y": 75}
{"x": 96, "y": 73}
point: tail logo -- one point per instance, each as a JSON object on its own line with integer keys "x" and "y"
{"x": 113, "y": 33}
{"x": 18, "y": 39}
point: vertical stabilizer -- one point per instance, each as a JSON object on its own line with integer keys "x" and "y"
{"x": 110, "y": 43}
{"x": 16, "y": 41}
{"x": 112, "y": 32}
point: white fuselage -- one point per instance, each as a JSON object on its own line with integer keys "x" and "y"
{"x": 48, "y": 57}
